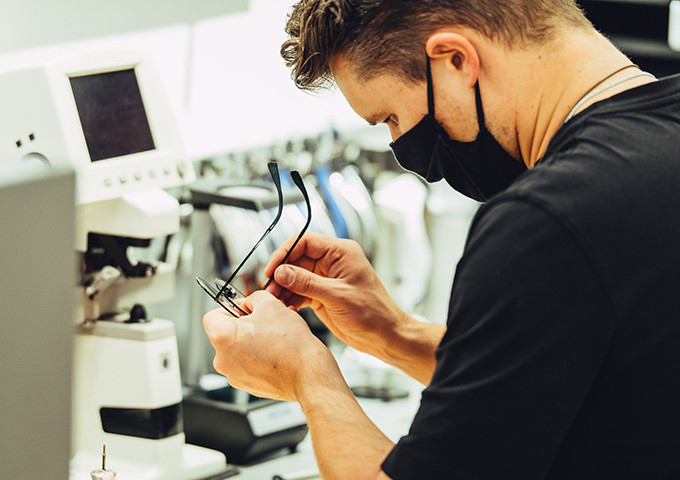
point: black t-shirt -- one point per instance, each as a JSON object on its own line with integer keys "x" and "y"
{"x": 562, "y": 355}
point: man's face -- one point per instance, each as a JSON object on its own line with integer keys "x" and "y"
{"x": 382, "y": 99}
{"x": 388, "y": 99}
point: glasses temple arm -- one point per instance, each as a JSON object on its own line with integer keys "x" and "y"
{"x": 297, "y": 179}
{"x": 274, "y": 172}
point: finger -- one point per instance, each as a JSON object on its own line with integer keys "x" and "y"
{"x": 303, "y": 262}
{"x": 305, "y": 283}
{"x": 220, "y": 327}
{"x": 296, "y": 302}
{"x": 287, "y": 297}
{"x": 259, "y": 299}
{"x": 281, "y": 293}
{"x": 215, "y": 316}
{"x": 280, "y": 253}
{"x": 312, "y": 245}
{"x": 276, "y": 290}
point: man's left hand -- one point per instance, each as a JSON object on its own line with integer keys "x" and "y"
{"x": 269, "y": 352}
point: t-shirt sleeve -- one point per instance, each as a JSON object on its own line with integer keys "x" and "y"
{"x": 529, "y": 323}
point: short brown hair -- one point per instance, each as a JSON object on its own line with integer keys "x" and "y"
{"x": 390, "y": 35}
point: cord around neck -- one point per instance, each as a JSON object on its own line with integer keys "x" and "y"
{"x": 592, "y": 92}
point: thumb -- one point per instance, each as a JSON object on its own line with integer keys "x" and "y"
{"x": 220, "y": 332}
{"x": 305, "y": 283}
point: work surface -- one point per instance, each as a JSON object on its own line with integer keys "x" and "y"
{"x": 393, "y": 418}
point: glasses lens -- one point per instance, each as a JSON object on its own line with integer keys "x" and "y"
{"x": 230, "y": 294}
{"x": 214, "y": 294}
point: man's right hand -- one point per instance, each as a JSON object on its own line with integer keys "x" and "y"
{"x": 334, "y": 277}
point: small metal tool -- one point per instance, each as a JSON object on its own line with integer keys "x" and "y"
{"x": 103, "y": 474}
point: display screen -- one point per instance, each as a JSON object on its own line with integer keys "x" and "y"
{"x": 112, "y": 114}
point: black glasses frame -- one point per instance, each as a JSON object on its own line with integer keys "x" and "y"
{"x": 224, "y": 293}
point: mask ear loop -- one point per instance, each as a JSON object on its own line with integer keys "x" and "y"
{"x": 430, "y": 89}
{"x": 480, "y": 109}
{"x": 430, "y": 97}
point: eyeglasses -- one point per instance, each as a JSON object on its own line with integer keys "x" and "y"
{"x": 227, "y": 295}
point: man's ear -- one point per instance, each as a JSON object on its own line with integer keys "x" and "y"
{"x": 459, "y": 54}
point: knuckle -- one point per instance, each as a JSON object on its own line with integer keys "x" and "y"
{"x": 209, "y": 317}
{"x": 258, "y": 293}
{"x": 302, "y": 281}
{"x": 349, "y": 245}
{"x": 221, "y": 334}
{"x": 353, "y": 245}
{"x": 219, "y": 365}
{"x": 219, "y": 339}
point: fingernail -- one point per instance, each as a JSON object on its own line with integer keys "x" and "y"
{"x": 285, "y": 276}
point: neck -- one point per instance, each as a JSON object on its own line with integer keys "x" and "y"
{"x": 548, "y": 83}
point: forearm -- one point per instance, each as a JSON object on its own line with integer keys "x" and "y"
{"x": 410, "y": 346}
{"x": 346, "y": 443}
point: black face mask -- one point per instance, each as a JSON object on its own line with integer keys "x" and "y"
{"x": 477, "y": 169}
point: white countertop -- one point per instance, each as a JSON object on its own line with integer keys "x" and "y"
{"x": 393, "y": 418}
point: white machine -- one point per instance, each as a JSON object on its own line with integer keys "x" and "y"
{"x": 674, "y": 25}
{"x": 35, "y": 206}
{"x": 104, "y": 116}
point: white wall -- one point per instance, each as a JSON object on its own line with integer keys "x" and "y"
{"x": 242, "y": 93}
{"x": 224, "y": 77}
{"x": 32, "y": 23}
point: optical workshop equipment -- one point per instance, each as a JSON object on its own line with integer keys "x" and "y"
{"x": 36, "y": 308}
{"x": 103, "y": 114}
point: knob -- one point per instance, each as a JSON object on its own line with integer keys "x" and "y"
{"x": 138, "y": 314}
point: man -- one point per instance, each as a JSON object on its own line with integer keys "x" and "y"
{"x": 561, "y": 355}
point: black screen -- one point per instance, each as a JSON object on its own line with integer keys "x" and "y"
{"x": 112, "y": 114}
